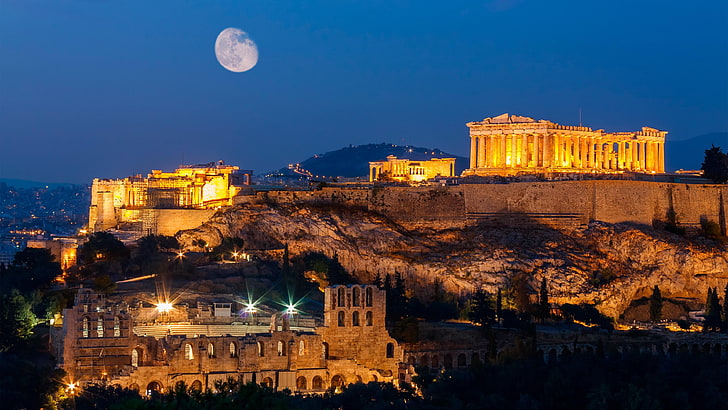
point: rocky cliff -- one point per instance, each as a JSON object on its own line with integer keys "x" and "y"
{"x": 607, "y": 264}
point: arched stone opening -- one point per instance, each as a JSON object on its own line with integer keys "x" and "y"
{"x": 338, "y": 382}
{"x": 341, "y": 318}
{"x": 210, "y": 350}
{"x": 341, "y": 296}
{"x": 448, "y": 361}
{"x": 136, "y": 357}
{"x": 261, "y": 349}
{"x": 189, "y": 354}
{"x": 233, "y": 349}
{"x": 317, "y": 383}
{"x": 368, "y": 297}
{"x": 267, "y": 382}
{"x": 475, "y": 359}
{"x": 301, "y": 383}
{"x": 196, "y": 386}
{"x": 154, "y": 387}
{"x": 462, "y": 360}
{"x": 425, "y": 361}
{"x": 281, "y": 348}
{"x": 355, "y": 319}
{"x": 356, "y": 296}
{"x": 390, "y": 350}
{"x": 368, "y": 318}
{"x": 325, "y": 350}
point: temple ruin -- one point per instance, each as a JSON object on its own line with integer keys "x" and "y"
{"x": 191, "y": 187}
{"x": 511, "y": 144}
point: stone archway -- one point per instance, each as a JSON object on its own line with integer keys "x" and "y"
{"x": 154, "y": 387}
{"x": 196, "y": 385}
{"x": 267, "y": 382}
{"x": 338, "y": 382}
{"x": 301, "y": 383}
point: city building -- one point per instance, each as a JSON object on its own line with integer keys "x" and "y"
{"x": 62, "y": 248}
{"x": 405, "y": 170}
{"x": 115, "y": 344}
{"x": 511, "y": 144}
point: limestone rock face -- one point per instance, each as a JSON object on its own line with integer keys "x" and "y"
{"x": 610, "y": 265}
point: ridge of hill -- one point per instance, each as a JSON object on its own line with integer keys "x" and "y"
{"x": 689, "y": 153}
{"x": 353, "y": 161}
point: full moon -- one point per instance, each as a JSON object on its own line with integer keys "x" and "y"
{"x": 235, "y": 50}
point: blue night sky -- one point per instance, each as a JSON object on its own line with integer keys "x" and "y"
{"x": 111, "y": 88}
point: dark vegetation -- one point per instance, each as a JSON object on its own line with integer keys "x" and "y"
{"x": 27, "y": 375}
{"x": 598, "y": 380}
{"x": 715, "y": 165}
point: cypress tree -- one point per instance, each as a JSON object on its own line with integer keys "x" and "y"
{"x": 656, "y": 305}
{"x": 712, "y": 311}
{"x": 499, "y": 306}
{"x": 543, "y": 301}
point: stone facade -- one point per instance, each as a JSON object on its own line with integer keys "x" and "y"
{"x": 405, "y": 170}
{"x": 511, "y": 144}
{"x": 96, "y": 343}
{"x": 208, "y": 186}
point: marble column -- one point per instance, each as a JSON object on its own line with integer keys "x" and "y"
{"x": 661, "y": 160}
{"x": 482, "y": 152}
{"x": 473, "y": 152}
{"x": 502, "y": 155}
{"x": 536, "y": 152}
{"x": 632, "y": 156}
{"x": 577, "y": 152}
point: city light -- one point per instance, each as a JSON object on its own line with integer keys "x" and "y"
{"x": 250, "y": 307}
{"x": 291, "y": 309}
{"x": 164, "y": 307}
{"x": 180, "y": 254}
{"x": 72, "y": 389}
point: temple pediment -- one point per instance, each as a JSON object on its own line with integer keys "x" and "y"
{"x": 505, "y": 118}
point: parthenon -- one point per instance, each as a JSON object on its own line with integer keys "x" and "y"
{"x": 511, "y": 144}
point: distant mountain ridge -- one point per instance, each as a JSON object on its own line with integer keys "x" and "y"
{"x": 353, "y": 161}
{"x": 22, "y": 183}
{"x": 689, "y": 154}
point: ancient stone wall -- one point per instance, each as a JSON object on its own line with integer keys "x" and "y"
{"x": 561, "y": 204}
{"x": 170, "y": 221}
{"x": 570, "y": 203}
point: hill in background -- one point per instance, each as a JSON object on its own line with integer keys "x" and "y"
{"x": 689, "y": 154}
{"x": 353, "y": 161}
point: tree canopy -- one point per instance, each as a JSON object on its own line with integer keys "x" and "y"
{"x": 102, "y": 246}
{"x": 715, "y": 165}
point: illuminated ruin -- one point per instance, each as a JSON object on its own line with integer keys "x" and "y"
{"x": 511, "y": 144}
{"x": 155, "y": 348}
{"x": 206, "y": 186}
{"x": 405, "y": 170}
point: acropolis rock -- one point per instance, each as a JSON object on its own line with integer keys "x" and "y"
{"x": 367, "y": 243}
